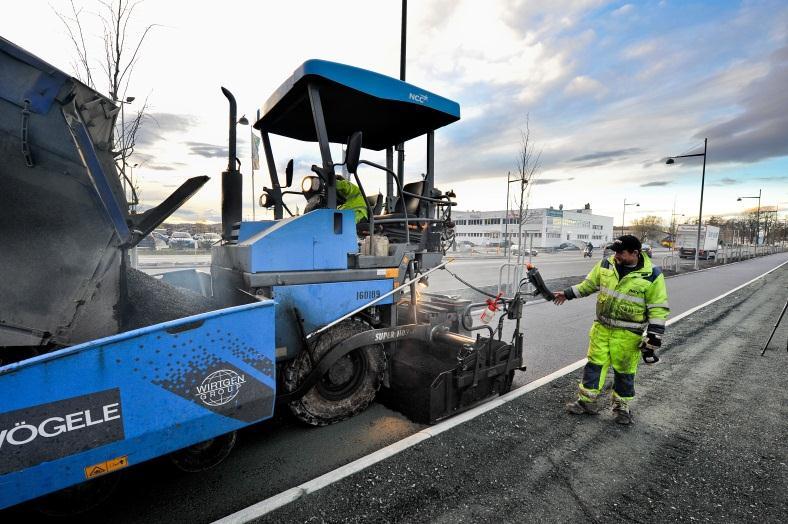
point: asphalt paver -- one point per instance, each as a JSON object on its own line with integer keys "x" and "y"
{"x": 709, "y": 442}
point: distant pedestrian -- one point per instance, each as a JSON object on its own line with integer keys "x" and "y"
{"x": 632, "y": 300}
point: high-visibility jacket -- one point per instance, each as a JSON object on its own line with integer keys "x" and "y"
{"x": 638, "y": 302}
{"x": 353, "y": 199}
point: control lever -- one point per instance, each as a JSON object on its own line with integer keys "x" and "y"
{"x": 536, "y": 279}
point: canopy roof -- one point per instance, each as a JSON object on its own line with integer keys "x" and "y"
{"x": 386, "y": 110}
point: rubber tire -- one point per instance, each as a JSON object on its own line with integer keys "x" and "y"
{"x": 80, "y": 498}
{"x": 204, "y": 455}
{"x": 316, "y": 410}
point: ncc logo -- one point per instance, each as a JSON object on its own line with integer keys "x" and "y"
{"x": 418, "y": 98}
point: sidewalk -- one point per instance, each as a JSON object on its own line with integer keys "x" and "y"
{"x": 708, "y": 444}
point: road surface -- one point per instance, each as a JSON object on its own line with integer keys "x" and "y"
{"x": 708, "y": 443}
{"x": 279, "y": 454}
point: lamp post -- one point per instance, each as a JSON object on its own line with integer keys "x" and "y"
{"x": 757, "y": 218}
{"x": 128, "y": 100}
{"x": 673, "y": 232}
{"x": 134, "y": 198}
{"x": 624, "y": 213}
{"x": 671, "y": 160}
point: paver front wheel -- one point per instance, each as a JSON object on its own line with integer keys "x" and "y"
{"x": 348, "y": 386}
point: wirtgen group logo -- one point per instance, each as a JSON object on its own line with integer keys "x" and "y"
{"x": 220, "y": 387}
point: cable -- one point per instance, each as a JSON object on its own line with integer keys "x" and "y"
{"x": 469, "y": 285}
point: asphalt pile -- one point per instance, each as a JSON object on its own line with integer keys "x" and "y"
{"x": 151, "y": 301}
{"x": 708, "y": 442}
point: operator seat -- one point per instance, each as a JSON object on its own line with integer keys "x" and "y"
{"x": 396, "y": 230}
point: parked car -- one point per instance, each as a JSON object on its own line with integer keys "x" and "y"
{"x": 182, "y": 240}
{"x": 151, "y": 243}
{"x": 515, "y": 249}
{"x": 568, "y": 246}
{"x": 161, "y": 234}
{"x": 209, "y": 239}
{"x": 647, "y": 250}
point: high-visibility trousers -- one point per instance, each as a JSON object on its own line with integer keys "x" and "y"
{"x": 607, "y": 347}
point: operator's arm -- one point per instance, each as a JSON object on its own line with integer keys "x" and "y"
{"x": 657, "y": 305}
{"x": 658, "y": 310}
{"x": 583, "y": 289}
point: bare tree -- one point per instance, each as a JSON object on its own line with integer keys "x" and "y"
{"x": 528, "y": 163}
{"x": 649, "y": 227}
{"x": 121, "y": 52}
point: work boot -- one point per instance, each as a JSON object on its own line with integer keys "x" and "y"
{"x": 581, "y": 407}
{"x": 621, "y": 411}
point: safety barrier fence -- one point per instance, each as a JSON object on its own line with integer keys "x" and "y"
{"x": 725, "y": 255}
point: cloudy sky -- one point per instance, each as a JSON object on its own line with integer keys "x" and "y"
{"x": 610, "y": 89}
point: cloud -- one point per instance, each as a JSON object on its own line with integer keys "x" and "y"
{"x": 608, "y": 155}
{"x": 624, "y": 10}
{"x": 206, "y": 150}
{"x": 657, "y": 183}
{"x": 727, "y": 181}
{"x": 155, "y": 125}
{"x": 585, "y": 86}
{"x": 759, "y": 132}
{"x": 772, "y": 178}
{"x": 545, "y": 181}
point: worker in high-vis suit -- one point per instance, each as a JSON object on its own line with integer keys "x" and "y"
{"x": 350, "y": 195}
{"x": 631, "y": 310}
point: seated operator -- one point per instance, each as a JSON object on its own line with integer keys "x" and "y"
{"x": 350, "y": 196}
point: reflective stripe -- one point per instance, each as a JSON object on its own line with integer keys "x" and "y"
{"x": 657, "y": 321}
{"x": 662, "y": 304}
{"x": 621, "y": 296}
{"x": 622, "y": 323}
{"x": 578, "y": 293}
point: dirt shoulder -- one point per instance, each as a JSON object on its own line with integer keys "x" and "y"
{"x": 708, "y": 443}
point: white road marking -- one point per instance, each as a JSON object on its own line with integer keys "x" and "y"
{"x": 277, "y": 501}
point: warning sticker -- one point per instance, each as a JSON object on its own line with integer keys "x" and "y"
{"x": 106, "y": 467}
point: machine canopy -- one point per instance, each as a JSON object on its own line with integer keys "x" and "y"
{"x": 386, "y": 110}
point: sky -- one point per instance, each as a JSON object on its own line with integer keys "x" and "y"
{"x": 609, "y": 90}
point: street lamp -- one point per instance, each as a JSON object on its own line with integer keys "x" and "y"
{"x": 673, "y": 231}
{"x": 624, "y": 213}
{"x": 757, "y": 218}
{"x": 128, "y": 100}
{"x": 671, "y": 160}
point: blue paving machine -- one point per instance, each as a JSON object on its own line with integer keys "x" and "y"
{"x": 102, "y": 367}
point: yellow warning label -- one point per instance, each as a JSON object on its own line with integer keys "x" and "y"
{"x": 392, "y": 272}
{"x": 106, "y": 467}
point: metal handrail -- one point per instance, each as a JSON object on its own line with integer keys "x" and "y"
{"x": 509, "y": 284}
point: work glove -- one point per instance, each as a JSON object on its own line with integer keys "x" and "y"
{"x": 649, "y": 346}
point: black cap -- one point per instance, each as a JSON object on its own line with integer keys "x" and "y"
{"x": 626, "y": 242}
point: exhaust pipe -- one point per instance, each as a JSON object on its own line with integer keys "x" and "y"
{"x": 232, "y": 183}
